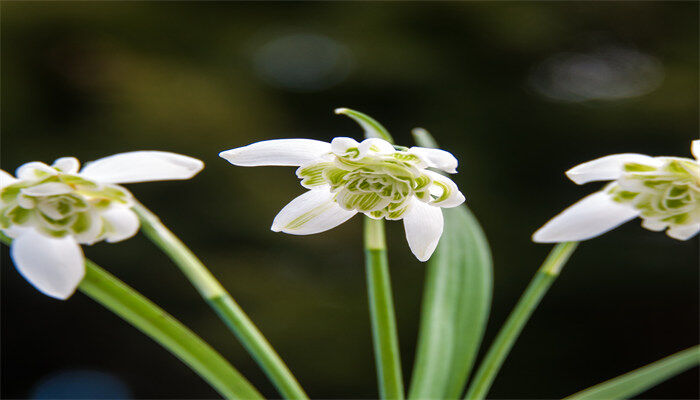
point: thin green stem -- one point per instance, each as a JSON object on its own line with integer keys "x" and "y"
{"x": 510, "y": 331}
{"x": 635, "y": 382}
{"x": 381, "y": 307}
{"x": 160, "y": 326}
{"x": 222, "y": 302}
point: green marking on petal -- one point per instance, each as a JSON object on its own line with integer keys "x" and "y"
{"x": 82, "y": 223}
{"x": 636, "y": 167}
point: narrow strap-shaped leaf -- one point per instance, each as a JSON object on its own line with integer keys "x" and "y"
{"x": 637, "y": 381}
{"x": 456, "y": 303}
{"x": 166, "y": 330}
{"x": 163, "y": 328}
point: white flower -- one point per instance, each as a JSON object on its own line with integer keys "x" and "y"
{"x": 373, "y": 177}
{"x": 50, "y": 210}
{"x": 663, "y": 191}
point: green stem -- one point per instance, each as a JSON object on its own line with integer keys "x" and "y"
{"x": 635, "y": 382}
{"x": 222, "y": 302}
{"x": 510, "y": 331}
{"x": 160, "y": 326}
{"x": 381, "y": 307}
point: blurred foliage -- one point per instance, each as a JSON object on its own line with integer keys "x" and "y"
{"x": 95, "y": 78}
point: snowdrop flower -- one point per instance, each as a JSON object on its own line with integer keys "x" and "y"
{"x": 372, "y": 177}
{"x": 663, "y": 191}
{"x": 50, "y": 210}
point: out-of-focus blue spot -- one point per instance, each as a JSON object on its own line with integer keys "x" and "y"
{"x": 302, "y": 62}
{"x": 80, "y": 384}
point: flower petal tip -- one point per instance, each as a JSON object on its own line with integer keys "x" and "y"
{"x": 340, "y": 110}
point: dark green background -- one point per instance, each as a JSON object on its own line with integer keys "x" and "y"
{"x": 91, "y": 79}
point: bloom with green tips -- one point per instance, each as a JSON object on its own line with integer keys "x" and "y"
{"x": 371, "y": 177}
{"x": 663, "y": 191}
{"x": 50, "y": 210}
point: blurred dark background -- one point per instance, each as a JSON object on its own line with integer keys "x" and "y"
{"x": 519, "y": 92}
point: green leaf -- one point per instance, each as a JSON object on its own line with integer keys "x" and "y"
{"x": 456, "y": 304}
{"x": 639, "y": 380}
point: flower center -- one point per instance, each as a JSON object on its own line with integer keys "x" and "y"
{"x": 60, "y": 205}
{"x": 379, "y": 185}
{"x": 665, "y": 196}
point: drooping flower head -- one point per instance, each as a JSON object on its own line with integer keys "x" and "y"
{"x": 50, "y": 210}
{"x": 663, "y": 191}
{"x": 372, "y": 177}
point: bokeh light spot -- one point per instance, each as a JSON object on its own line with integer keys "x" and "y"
{"x": 302, "y": 62}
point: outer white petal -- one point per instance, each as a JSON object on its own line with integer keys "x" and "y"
{"x": 683, "y": 232}
{"x": 454, "y": 198}
{"x": 122, "y": 223}
{"x": 436, "y": 158}
{"x": 423, "y": 224}
{"x": 47, "y": 189}
{"x": 279, "y": 152}
{"x": 6, "y": 179}
{"x": 591, "y": 216}
{"x": 608, "y": 167}
{"x": 340, "y": 145}
{"x": 376, "y": 145}
{"x": 28, "y": 170}
{"x": 142, "y": 166}
{"x": 695, "y": 149}
{"x": 67, "y": 165}
{"x": 54, "y": 266}
{"x": 312, "y": 212}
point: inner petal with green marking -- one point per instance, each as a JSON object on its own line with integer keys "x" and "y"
{"x": 60, "y": 205}
{"x": 379, "y": 184}
{"x": 665, "y": 196}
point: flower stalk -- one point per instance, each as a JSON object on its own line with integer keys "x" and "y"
{"x": 381, "y": 307}
{"x": 160, "y": 326}
{"x": 222, "y": 303}
{"x": 516, "y": 321}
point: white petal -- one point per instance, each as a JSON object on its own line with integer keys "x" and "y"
{"x": 423, "y": 224}
{"x": 47, "y": 189}
{"x": 6, "y": 179}
{"x": 312, "y": 212}
{"x": 436, "y": 158}
{"x": 695, "y": 149}
{"x": 683, "y": 232}
{"x": 375, "y": 145}
{"x": 121, "y": 223}
{"x": 67, "y": 165}
{"x": 29, "y": 170}
{"x": 279, "y": 152}
{"x": 142, "y": 166}
{"x": 454, "y": 197}
{"x": 655, "y": 225}
{"x": 340, "y": 145}
{"x": 589, "y": 217}
{"x": 608, "y": 168}
{"x": 54, "y": 266}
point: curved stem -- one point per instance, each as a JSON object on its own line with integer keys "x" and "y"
{"x": 510, "y": 331}
{"x": 222, "y": 302}
{"x": 381, "y": 307}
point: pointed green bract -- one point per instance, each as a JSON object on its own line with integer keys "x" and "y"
{"x": 456, "y": 304}
{"x": 373, "y": 129}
